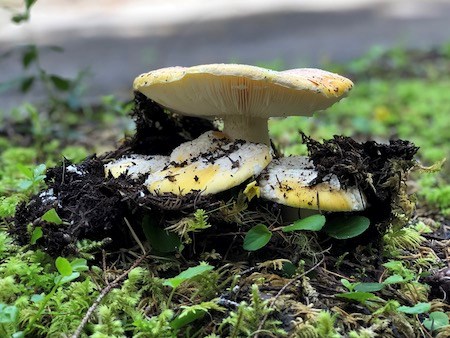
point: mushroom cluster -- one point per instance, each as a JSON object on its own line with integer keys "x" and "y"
{"x": 244, "y": 97}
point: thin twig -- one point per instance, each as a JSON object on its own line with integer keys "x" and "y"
{"x": 272, "y": 303}
{"x": 136, "y": 238}
{"x": 102, "y": 295}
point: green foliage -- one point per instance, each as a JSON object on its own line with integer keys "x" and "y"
{"x": 192, "y": 313}
{"x": 34, "y": 177}
{"x": 400, "y": 239}
{"x": 196, "y": 222}
{"x": 399, "y": 273}
{"x": 160, "y": 239}
{"x": 436, "y": 191}
{"x": 324, "y": 324}
{"x": 156, "y": 326}
{"x": 345, "y": 227}
{"x": 75, "y": 154}
{"x": 25, "y": 16}
{"x": 8, "y": 205}
{"x": 108, "y": 325}
{"x": 52, "y": 216}
{"x": 190, "y": 273}
{"x": 245, "y": 321}
{"x": 416, "y": 309}
{"x": 312, "y": 223}
{"x": 257, "y": 237}
{"x": 436, "y": 321}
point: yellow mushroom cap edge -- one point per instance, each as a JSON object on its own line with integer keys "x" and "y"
{"x": 224, "y": 165}
{"x": 135, "y": 165}
{"x": 286, "y": 181}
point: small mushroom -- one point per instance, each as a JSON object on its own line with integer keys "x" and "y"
{"x": 287, "y": 181}
{"x": 135, "y": 165}
{"x": 219, "y": 164}
{"x": 243, "y": 96}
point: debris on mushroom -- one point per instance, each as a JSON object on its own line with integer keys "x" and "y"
{"x": 287, "y": 182}
{"x": 220, "y": 164}
{"x": 243, "y": 96}
{"x": 207, "y": 142}
{"x": 135, "y": 165}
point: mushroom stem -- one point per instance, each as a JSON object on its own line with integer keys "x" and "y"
{"x": 252, "y": 129}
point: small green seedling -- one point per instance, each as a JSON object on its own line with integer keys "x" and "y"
{"x": 257, "y": 237}
{"x": 345, "y": 227}
{"x": 436, "y": 320}
{"x": 360, "y": 292}
{"x": 311, "y": 223}
{"x": 34, "y": 177}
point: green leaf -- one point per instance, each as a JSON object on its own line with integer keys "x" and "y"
{"x": 347, "y": 284}
{"x": 416, "y": 309}
{"x": 289, "y": 269}
{"x": 26, "y": 171}
{"x": 18, "y": 334}
{"x": 26, "y": 83}
{"x": 79, "y": 264}
{"x": 52, "y": 217}
{"x": 36, "y": 298}
{"x": 257, "y": 237}
{"x": 37, "y": 233}
{"x": 159, "y": 239}
{"x": 60, "y": 83}
{"x": 346, "y": 227}
{"x": 188, "y": 274}
{"x": 39, "y": 171}
{"x": 29, "y": 56}
{"x": 312, "y": 223}
{"x": 437, "y": 320}
{"x": 20, "y": 17}
{"x": 25, "y": 185}
{"x": 8, "y": 313}
{"x": 60, "y": 280}
{"x": 187, "y": 316}
{"x": 63, "y": 265}
{"x": 361, "y": 297}
{"x": 394, "y": 279}
{"x": 29, "y": 3}
{"x": 368, "y": 287}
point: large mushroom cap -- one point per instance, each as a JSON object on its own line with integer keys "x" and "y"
{"x": 244, "y": 96}
{"x": 229, "y": 89}
{"x": 287, "y": 181}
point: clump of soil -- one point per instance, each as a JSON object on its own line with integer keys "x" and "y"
{"x": 92, "y": 206}
{"x": 158, "y": 131}
{"x": 379, "y": 170}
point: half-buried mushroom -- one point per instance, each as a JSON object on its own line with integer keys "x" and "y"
{"x": 135, "y": 165}
{"x": 287, "y": 181}
{"x": 210, "y": 164}
{"x": 243, "y": 96}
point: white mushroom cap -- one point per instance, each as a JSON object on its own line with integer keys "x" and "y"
{"x": 287, "y": 181}
{"x": 207, "y": 142}
{"x": 223, "y": 164}
{"x": 135, "y": 165}
{"x": 244, "y": 96}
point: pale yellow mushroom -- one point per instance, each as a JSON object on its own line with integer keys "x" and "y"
{"x": 219, "y": 165}
{"x": 243, "y": 96}
{"x": 287, "y": 181}
{"x": 135, "y": 165}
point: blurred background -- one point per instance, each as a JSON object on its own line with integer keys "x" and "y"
{"x": 109, "y": 42}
